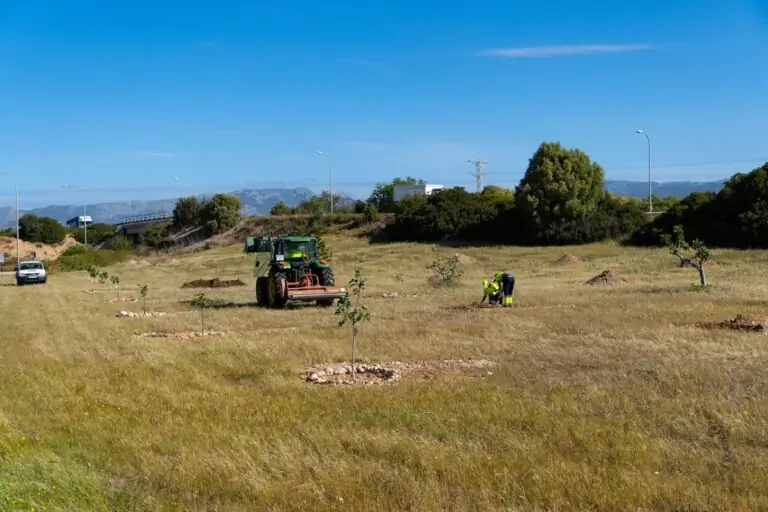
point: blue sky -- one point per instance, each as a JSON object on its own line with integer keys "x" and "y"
{"x": 122, "y": 95}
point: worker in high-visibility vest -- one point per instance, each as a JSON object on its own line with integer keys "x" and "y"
{"x": 492, "y": 292}
{"x": 506, "y": 282}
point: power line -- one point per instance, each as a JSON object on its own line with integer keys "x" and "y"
{"x": 667, "y": 166}
{"x": 478, "y": 174}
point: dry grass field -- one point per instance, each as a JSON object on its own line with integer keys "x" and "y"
{"x": 603, "y": 397}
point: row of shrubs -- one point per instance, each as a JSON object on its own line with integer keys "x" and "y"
{"x": 561, "y": 200}
{"x": 81, "y": 257}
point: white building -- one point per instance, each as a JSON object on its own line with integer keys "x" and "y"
{"x": 80, "y": 221}
{"x": 400, "y": 191}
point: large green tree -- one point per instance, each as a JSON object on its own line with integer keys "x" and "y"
{"x": 383, "y": 195}
{"x": 41, "y": 229}
{"x": 220, "y": 213}
{"x": 560, "y": 186}
{"x": 187, "y": 212}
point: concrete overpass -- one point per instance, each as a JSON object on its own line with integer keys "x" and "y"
{"x": 136, "y": 226}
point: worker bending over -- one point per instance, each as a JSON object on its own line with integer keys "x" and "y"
{"x": 500, "y": 289}
{"x": 492, "y": 292}
{"x": 507, "y": 283}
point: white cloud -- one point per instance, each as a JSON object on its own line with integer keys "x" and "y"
{"x": 553, "y": 51}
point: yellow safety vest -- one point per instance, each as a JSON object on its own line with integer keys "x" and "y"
{"x": 491, "y": 288}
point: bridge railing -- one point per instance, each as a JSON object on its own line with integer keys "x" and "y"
{"x": 149, "y": 217}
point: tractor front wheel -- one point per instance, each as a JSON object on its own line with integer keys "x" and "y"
{"x": 326, "y": 279}
{"x": 278, "y": 291}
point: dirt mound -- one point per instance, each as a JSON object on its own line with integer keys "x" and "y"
{"x": 464, "y": 259}
{"x": 739, "y": 323}
{"x": 213, "y": 283}
{"x": 44, "y": 251}
{"x": 609, "y": 277}
{"x": 373, "y": 374}
{"x": 567, "y": 260}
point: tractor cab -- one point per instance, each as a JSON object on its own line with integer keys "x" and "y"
{"x": 296, "y": 250}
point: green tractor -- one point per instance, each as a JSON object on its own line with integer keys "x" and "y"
{"x": 289, "y": 268}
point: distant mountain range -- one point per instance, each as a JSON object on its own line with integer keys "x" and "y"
{"x": 254, "y": 201}
{"x": 681, "y": 189}
{"x": 260, "y": 201}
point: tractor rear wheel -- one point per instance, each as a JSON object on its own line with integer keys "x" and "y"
{"x": 278, "y": 290}
{"x": 262, "y": 291}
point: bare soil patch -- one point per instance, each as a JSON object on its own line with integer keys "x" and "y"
{"x": 43, "y": 251}
{"x": 609, "y": 277}
{"x": 178, "y": 335}
{"x": 567, "y": 260}
{"x": 213, "y": 283}
{"x": 390, "y": 373}
{"x": 739, "y": 323}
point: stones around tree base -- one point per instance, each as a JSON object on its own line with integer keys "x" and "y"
{"x": 343, "y": 374}
{"x": 372, "y": 374}
{"x": 131, "y": 314}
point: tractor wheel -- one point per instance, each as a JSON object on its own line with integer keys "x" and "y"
{"x": 262, "y": 291}
{"x": 278, "y": 291}
{"x": 326, "y": 279}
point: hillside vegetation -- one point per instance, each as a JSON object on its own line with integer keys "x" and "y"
{"x": 602, "y": 397}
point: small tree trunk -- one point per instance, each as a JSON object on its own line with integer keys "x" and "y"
{"x": 702, "y": 274}
{"x": 354, "y": 346}
{"x": 145, "y": 306}
{"x": 202, "y": 320}
{"x": 118, "y": 293}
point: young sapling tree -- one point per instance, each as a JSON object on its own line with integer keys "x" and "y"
{"x": 116, "y": 283}
{"x": 695, "y": 255}
{"x": 143, "y": 291}
{"x": 445, "y": 271}
{"x": 355, "y": 313}
{"x": 93, "y": 272}
{"x": 201, "y": 301}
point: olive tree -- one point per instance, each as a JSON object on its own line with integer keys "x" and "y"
{"x": 693, "y": 255}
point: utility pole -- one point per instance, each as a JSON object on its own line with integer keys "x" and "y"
{"x": 479, "y": 172}
{"x": 16, "y": 190}
{"x": 650, "y": 188}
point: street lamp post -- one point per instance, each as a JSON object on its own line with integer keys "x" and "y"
{"x": 650, "y": 192}
{"x": 85, "y": 214}
{"x": 18, "y": 244}
{"x": 330, "y": 180}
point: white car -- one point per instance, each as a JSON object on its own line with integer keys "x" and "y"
{"x": 31, "y": 272}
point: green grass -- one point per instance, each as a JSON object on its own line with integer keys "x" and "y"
{"x": 604, "y": 398}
